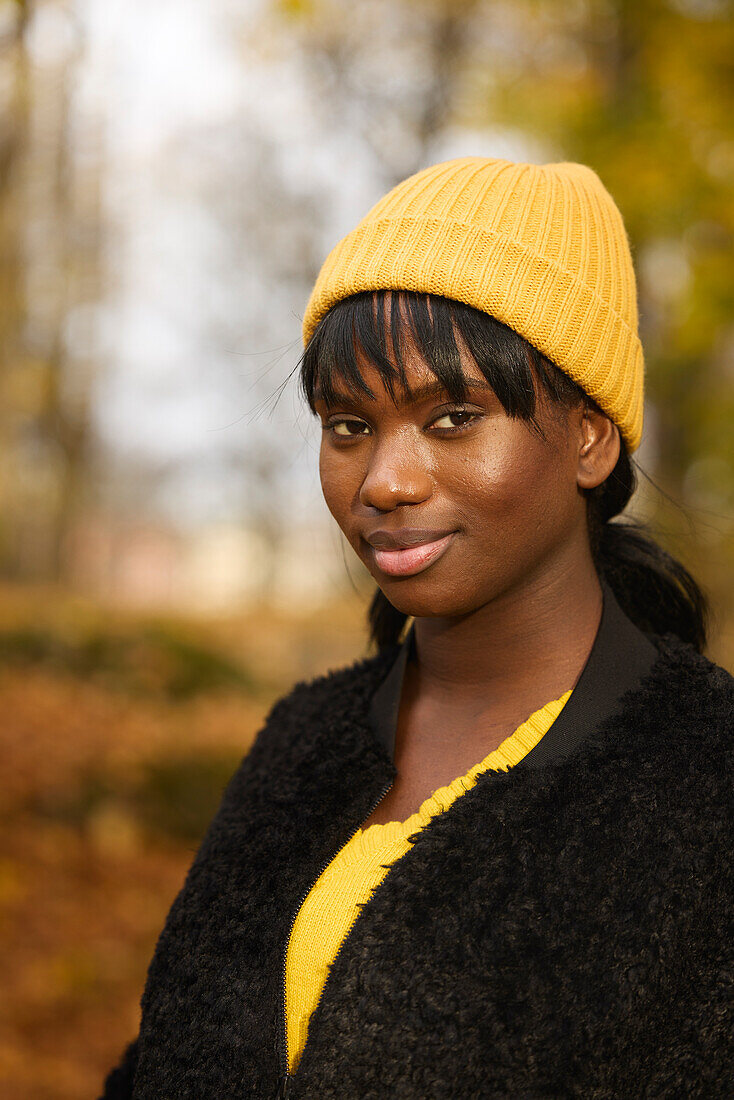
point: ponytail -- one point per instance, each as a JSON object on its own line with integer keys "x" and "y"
{"x": 653, "y": 589}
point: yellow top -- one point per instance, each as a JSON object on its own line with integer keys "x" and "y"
{"x": 333, "y": 904}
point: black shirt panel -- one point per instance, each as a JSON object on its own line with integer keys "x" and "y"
{"x": 620, "y": 658}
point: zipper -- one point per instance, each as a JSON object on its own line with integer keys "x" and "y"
{"x": 281, "y": 1039}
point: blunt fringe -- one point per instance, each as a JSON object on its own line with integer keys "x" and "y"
{"x": 654, "y": 590}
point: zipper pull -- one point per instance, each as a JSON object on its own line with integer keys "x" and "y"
{"x": 284, "y": 1087}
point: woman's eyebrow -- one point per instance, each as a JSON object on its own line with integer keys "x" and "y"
{"x": 420, "y": 393}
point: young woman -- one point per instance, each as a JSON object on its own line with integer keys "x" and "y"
{"x": 491, "y": 860}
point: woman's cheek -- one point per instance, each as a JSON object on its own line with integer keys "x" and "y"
{"x": 332, "y": 486}
{"x": 494, "y": 486}
{"x": 339, "y": 485}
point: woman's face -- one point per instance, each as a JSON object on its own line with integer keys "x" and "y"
{"x": 500, "y": 505}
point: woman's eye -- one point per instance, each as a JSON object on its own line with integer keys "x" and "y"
{"x": 349, "y": 428}
{"x": 337, "y": 424}
{"x": 453, "y": 415}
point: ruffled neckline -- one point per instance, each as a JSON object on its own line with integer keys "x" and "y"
{"x": 508, "y": 753}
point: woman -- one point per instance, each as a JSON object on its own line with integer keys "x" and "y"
{"x": 502, "y": 838}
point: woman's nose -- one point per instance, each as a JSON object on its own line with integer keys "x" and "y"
{"x": 397, "y": 474}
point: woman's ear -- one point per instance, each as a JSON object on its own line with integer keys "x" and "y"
{"x": 599, "y": 448}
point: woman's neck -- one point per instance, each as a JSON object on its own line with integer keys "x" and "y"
{"x": 512, "y": 655}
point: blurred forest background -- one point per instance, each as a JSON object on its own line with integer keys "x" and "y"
{"x": 172, "y": 174}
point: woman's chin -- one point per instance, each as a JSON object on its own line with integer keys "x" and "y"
{"x": 422, "y": 600}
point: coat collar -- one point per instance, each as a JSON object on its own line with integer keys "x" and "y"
{"x": 620, "y": 658}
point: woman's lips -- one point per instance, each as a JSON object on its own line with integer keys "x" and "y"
{"x": 403, "y": 563}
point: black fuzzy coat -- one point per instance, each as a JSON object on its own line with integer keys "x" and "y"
{"x": 563, "y": 930}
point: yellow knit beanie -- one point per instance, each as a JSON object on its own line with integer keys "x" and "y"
{"x": 541, "y": 248}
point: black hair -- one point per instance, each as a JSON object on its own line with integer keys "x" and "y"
{"x": 653, "y": 589}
